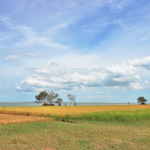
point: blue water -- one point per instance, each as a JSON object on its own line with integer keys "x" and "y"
{"x": 5, "y": 104}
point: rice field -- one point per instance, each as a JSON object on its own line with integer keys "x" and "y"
{"x": 119, "y": 113}
{"x": 97, "y": 127}
{"x": 7, "y": 119}
{"x": 68, "y": 110}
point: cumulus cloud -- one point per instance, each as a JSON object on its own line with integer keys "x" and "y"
{"x": 144, "y": 62}
{"x": 125, "y": 75}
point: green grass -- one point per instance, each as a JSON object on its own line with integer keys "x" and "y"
{"x": 75, "y": 136}
{"x": 99, "y": 130}
{"x": 109, "y": 116}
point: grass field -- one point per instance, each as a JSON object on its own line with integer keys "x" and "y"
{"x": 92, "y": 127}
{"x": 75, "y": 136}
{"x": 8, "y": 119}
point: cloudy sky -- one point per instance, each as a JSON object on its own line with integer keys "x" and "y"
{"x": 98, "y": 50}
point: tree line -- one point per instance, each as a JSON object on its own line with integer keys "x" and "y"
{"x": 50, "y": 97}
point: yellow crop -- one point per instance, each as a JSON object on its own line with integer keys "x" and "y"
{"x": 67, "y": 110}
{"x": 6, "y": 119}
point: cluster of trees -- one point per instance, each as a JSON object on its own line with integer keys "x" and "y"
{"x": 49, "y": 97}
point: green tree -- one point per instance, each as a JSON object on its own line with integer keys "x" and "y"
{"x": 42, "y": 96}
{"x": 141, "y": 100}
{"x": 72, "y": 98}
{"x": 58, "y": 101}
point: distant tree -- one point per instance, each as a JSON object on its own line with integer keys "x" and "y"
{"x": 141, "y": 100}
{"x": 72, "y": 98}
{"x": 59, "y": 101}
{"x": 42, "y": 96}
{"x": 51, "y": 96}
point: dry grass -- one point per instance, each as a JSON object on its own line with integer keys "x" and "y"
{"x": 67, "y": 110}
{"x": 7, "y": 119}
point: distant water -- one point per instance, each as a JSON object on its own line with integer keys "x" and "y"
{"x": 5, "y": 104}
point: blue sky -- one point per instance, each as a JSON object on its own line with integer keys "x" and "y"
{"x": 98, "y": 50}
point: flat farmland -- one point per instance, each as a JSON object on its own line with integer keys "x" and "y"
{"x": 9, "y": 119}
{"x": 83, "y": 127}
{"x": 69, "y": 110}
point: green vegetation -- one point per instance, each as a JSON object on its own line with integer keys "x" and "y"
{"x": 48, "y": 96}
{"x": 141, "y": 100}
{"x": 97, "y": 130}
{"x": 109, "y": 116}
{"x": 75, "y": 136}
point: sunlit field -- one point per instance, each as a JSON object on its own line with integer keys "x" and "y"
{"x": 9, "y": 119}
{"x": 121, "y": 113}
{"x": 68, "y": 110}
{"x": 83, "y": 127}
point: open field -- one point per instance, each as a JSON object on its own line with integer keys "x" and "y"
{"x": 68, "y": 110}
{"x": 92, "y": 127}
{"x": 51, "y": 135}
{"x": 8, "y": 119}
{"x": 117, "y": 113}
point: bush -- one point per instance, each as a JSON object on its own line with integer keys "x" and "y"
{"x": 52, "y": 105}
{"x": 45, "y": 104}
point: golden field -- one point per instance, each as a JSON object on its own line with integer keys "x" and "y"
{"x": 7, "y": 119}
{"x": 68, "y": 110}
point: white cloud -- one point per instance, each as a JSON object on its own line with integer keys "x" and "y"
{"x": 9, "y": 57}
{"x": 144, "y": 62}
{"x": 120, "y": 75}
{"x": 30, "y": 37}
{"x": 31, "y": 54}
{"x": 108, "y": 96}
{"x": 99, "y": 96}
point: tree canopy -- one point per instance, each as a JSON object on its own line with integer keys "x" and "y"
{"x": 47, "y": 97}
{"x": 42, "y": 96}
{"x": 141, "y": 100}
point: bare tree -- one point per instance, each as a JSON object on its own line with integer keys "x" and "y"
{"x": 51, "y": 96}
{"x": 72, "y": 98}
{"x": 59, "y": 101}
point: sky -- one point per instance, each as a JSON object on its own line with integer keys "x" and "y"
{"x": 98, "y": 50}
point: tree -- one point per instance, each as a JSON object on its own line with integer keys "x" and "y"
{"x": 59, "y": 101}
{"x": 72, "y": 98}
{"x": 42, "y": 96}
{"x": 51, "y": 96}
{"x": 141, "y": 100}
